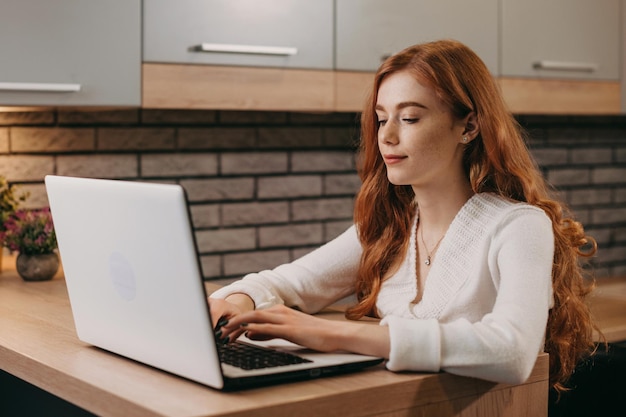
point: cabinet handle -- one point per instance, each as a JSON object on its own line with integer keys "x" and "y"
{"x": 565, "y": 66}
{"x": 40, "y": 87}
{"x": 246, "y": 49}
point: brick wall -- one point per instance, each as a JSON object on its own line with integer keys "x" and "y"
{"x": 267, "y": 187}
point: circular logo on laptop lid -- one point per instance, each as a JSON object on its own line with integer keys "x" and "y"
{"x": 122, "y": 276}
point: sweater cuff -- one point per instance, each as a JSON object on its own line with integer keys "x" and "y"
{"x": 262, "y": 297}
{"x": 415, "y": 344}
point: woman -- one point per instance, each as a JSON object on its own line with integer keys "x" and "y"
{"x": 457, "y": 245}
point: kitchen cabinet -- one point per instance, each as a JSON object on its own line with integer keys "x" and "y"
{"x": 70, "y": 52}
{"x": 560, "y": 56}
{"x": 564, "y": 39}
{"x": 370, "y": 30}
{"x": 268, "y": 33}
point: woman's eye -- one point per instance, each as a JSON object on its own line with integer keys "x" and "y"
{"x": 381, "y": 122}
{"x": 410, "y": 120}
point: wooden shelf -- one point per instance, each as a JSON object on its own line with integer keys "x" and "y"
{"x": 176, "y": 86}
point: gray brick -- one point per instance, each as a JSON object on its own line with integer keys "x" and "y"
{"x": 612, "y": 254}
{"x": 289, "y": 186}
{"x": 4, "y": 140}
{"x": 255, "y": 213}
{"x": 178, "y": 117}
{"x": 297, "y": 253}
{"x": 608, "y": 216}
{"x": 335, "y": 228}
{"x": 322, "y": 209}
{"x": 249, "y": 262}
{"x": 219, "y": 189}
{"x": 341, "y": 184}
{"x": 98, "y": 166}
{"x": 536, "y": 135}
{"x": 602, "y": 236}
{"x": 341, "y": 137}
{"x": 550, "y": 156}
{"x": 323, "y": 118}
{"x": 582, "y": 215}
{"x": 292, "y": 137}
{"x": 567, "y": 135}
{"x": 290, "y": 235}
{"x": 52, "y": 139}
{"x": 23, "y": 118}
{"x": 205, "y": 215}
{"x": 221, "y": 240}
{"x": 569, "y": 176}
{"x": 592, "y": 155}
{"x": 620, "y": 195}
{"x": 37, "y": 195}
{"x": 618, "y": 234}
{"x": 252, "y": 117}
{"x": 609, "y": 175}
{"x": 178, "y": 164}
{"x": 216, "y": 138}
{"x": 589, "y": 196}
{"x": 335, "y": 161}
{"x": 211, "y": 266}
{"x": 610, "y": 134}
{"x": 90, "y": 116}
{"x": 253, "y": 163}
{"x": 144, "y": 139}
{"x": 26, "y": 167}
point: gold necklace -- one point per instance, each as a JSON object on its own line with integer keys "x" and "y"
{"x": 432, "y": 252}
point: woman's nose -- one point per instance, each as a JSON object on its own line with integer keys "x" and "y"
{"x": 388, "y": 134}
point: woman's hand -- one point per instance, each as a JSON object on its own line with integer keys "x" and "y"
{"x": 286, "y": 323}
{"x": 310, "y": 331}
{"x": 224, "y": 310}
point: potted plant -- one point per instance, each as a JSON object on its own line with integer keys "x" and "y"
{"x": 9, "y": 203}
{"x": 31, "y": 233}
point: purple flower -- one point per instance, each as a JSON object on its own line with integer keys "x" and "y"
{"x": 30, "y": 232}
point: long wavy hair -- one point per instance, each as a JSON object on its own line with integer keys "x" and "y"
{"x": 496, "y": 161}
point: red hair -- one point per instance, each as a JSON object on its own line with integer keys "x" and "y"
{"x": 497, "y": 161}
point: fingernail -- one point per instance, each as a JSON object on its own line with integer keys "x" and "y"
{"x": 244, "y": 324}
{"x": 222, "y": 322}
{"x": 218, "y": 334}
{"x": 225, "y": 340}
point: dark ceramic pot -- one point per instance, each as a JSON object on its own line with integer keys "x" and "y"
{"x": 41, "y": 267}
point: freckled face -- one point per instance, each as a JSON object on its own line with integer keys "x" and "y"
{"x": 418, "y": 137}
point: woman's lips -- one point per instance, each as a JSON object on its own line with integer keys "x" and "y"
{"x": 393, "y": 159}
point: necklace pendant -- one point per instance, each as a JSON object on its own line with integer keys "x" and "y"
{"x": 427, "y": 261}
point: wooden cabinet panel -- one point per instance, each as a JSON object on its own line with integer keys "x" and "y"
{"x": 181, "y": 86}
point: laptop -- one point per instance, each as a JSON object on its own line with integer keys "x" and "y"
{"x": 136, "y": 289}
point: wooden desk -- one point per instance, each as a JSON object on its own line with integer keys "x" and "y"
{"x": 38, "y": 344}
{"x": 608, "y": 305}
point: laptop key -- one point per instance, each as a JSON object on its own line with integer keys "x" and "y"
{"x": 248, "y": 357}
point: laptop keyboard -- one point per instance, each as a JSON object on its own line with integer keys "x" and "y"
{"x": 248, "y": 357}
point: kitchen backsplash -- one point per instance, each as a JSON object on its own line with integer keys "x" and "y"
{"x": 267, "y": 187}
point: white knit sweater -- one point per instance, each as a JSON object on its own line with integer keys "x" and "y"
{"x": 485, "y": 304}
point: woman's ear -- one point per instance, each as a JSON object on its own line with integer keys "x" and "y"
{"x": 471, "y": 126}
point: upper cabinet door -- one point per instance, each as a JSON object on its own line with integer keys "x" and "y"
{"x": 271, "y": 33}
{"x": 370, "y": 30}
{"x": 70, "y": 52}
{"x": 561, "y": 39}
